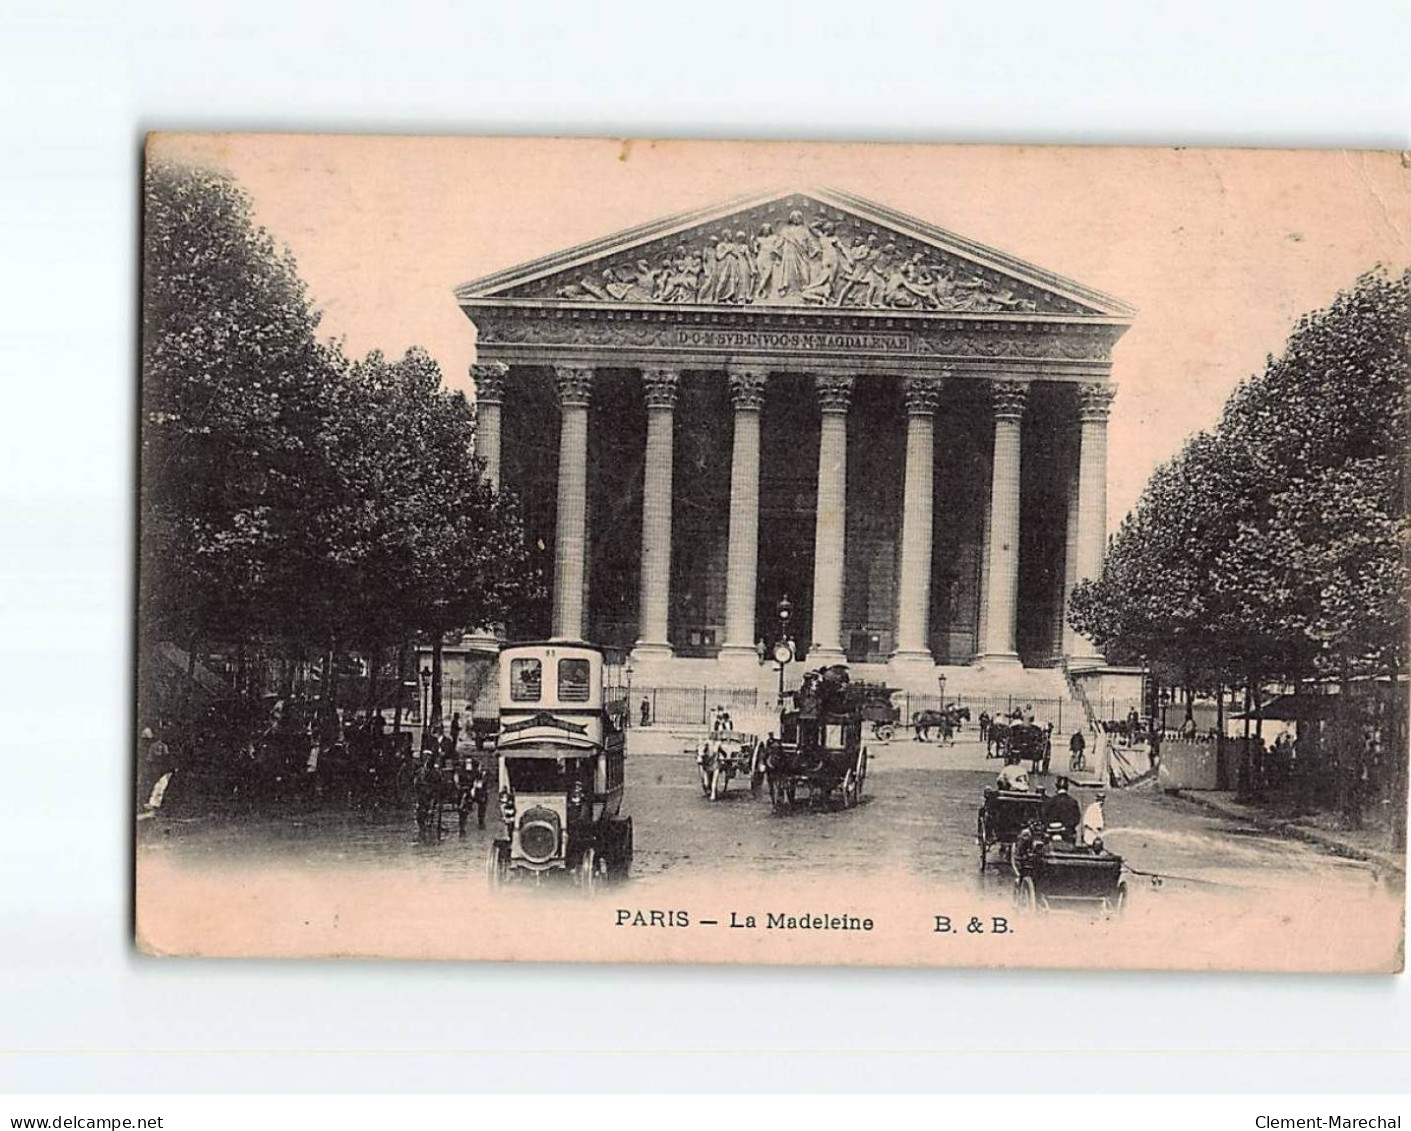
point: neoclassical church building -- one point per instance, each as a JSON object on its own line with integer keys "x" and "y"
{"x": 802, "y": 396}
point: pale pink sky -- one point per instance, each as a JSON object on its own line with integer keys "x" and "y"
{"x": 1220, "y": 250}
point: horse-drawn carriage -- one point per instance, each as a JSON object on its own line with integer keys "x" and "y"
{"x": 1003, "y": 817}
{"x": 877, "y": 709}
{"x": 819, "y": 751}
{"x": 1052, "y": 872}
{"x": 725, "y": 754}
{"x": 1032, "y": 743}
{"x": 443, "y": 782}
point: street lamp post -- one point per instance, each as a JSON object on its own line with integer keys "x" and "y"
{"x": 425, "y": 698}
{"x": 627, "y": 715}
{"x": 783, "y": 647}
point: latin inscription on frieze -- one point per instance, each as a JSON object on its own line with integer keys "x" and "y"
{"x": 819, "y": 341}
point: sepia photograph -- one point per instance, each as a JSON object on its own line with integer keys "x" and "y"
{"x": 769, "y": 552}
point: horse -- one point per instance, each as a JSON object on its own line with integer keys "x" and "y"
{"x": 947, "y": 721}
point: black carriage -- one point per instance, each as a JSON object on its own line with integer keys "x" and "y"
{"x": 878, "y": 710}
{"x": 1014, "y": 736}
{"x": 1004, "y": 815}
{"x": 819, "y": 752}
{"x": 1053, "y": 873}
{"x": 726, "y": 754}
{"x": 1031, "y": 744}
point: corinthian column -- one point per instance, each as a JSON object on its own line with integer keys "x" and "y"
{"x": 1094, "y": 406}
{"x": 1002, "y": 573}
{"x": 747, "y": 396}
{"x": 660, "y": 387}
{"x": 489, "y": 378}
{"x": 830, "y": 528}
{"x": 575, "y": 386}
{"x": 914, "y": 585}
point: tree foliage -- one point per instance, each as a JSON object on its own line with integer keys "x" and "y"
{"x": 1277, "y": 543}
{"x": 289, "y": 494}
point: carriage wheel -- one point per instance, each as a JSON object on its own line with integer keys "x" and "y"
{"x": 756, "y": 783}
{"x": 717, "y": 784}
{"x": 1025, "y": 898}
{"x": 984, "y": 852}
{"x": 861, "y": 771}
{"x": 885, "y": 732}
{"x": 588, "y": 877}
{"x": 1120, "y": 907}
{"x": 848, "y": 789}
{"x": 497, "y": 865}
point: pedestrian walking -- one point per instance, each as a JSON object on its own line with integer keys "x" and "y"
{"x": 1093, "y": 821}
{"x": 646, "y": 711}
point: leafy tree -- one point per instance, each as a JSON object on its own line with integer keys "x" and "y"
{"x": 232, "y": 380}
{"x": 290, "y": 496}
{"x": 1275, "y": 546}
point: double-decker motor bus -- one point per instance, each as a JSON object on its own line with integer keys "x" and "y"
{"x": 561, "y": 762}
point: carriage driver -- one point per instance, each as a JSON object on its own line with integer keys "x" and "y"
{"x": 1013, "y": 778}
{"x": 1062, "y": 809}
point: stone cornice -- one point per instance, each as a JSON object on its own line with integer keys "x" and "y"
{"x": 702, "y": 339}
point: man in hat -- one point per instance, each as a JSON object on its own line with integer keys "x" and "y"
{"x": 1093, "y": 821}
{"x": 1062, "y": 809}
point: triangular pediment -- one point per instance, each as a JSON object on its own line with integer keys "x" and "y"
{"x": 817, "y": 250}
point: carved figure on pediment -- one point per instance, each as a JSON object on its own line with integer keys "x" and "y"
{"x": 766, "y": 263}
{"x": 678, "y": 278}
{"x": 969, "y": 294}
{"x": 585, "y": 288}
{"x": 710, "y": 263}
{"x": 1006, "y": 299}
{"x": 798, "y": 249}
{"x": 855, "y": 268}
{"x": 636, "y": 284}
{"x": 828, "y": 267}
{"x": 907, "y": 285}
{"x": 880, "y": 269}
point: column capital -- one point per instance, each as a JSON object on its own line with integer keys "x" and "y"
{"x": 1095, "y": 402}
{"x": 747, "y": 387}
{"x": 1008, "y": 397}
{"x": 575, "y": 385}
{"x": 660, "y": 386}
{"x": 834, "y": 391}
{"x": 922, "y": 392}
{"x": 489, "y": 378}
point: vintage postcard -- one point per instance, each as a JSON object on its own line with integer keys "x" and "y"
{"x": 668, "y": 551}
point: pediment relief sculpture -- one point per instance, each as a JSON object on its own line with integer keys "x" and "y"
{"x": 789, "y": 251}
